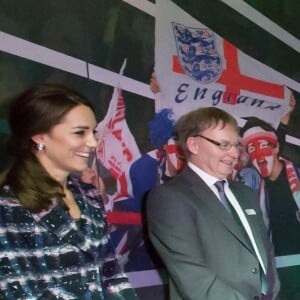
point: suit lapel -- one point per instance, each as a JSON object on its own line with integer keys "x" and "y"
{"x": 256, "y": 225}
{"x": 206, "y": 197}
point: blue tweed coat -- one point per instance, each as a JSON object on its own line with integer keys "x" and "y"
{"x": 49, "y": 255}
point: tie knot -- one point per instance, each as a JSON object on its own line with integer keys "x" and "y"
{"x": 220, "y": 185}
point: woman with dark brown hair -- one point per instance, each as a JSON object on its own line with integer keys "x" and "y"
{"x": 54, "y": 240}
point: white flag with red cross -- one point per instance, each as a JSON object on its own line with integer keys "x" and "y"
{"x": 196, "y": 67}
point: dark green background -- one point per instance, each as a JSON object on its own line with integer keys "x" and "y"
{"x": 104, "y": 32}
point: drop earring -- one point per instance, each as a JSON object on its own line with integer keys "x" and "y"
{"x": 40, "y": 147}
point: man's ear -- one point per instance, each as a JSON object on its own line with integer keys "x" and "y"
{"x": 192, "y": 145}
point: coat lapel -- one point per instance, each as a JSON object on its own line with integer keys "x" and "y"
{"x": 57, "y": 221}
{"x": 206, "y": 197}
{"x": 254, "y": 220}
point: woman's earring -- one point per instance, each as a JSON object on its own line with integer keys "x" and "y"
{"x": 40, "y": 147}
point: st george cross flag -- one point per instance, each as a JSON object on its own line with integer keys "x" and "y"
{"x": 117, "y": 148}
{"x": 195, "y": 67}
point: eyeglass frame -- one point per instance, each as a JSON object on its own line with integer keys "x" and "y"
{"x": 220, "y": 145}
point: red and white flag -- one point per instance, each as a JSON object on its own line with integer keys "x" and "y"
{"x": 196, "y": 67}
{"x": 117, "y": 148}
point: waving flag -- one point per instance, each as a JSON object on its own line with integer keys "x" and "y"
{"x": 196, "y": 67}
{"x": 117, "y": 147}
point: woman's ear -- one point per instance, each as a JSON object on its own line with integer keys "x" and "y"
{"x": 38, "y": 138}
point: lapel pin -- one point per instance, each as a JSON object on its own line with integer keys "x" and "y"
{"x": 250, "y": 211}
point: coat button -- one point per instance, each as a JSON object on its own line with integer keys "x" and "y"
{"x": 254, "y": 270}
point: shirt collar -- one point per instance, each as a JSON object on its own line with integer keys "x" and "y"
{"x": 207, "y": 178}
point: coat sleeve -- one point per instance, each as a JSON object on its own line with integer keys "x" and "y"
{"x": 116, "y": 284}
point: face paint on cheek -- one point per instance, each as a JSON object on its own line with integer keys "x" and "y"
{"x": 263, "y": 161}
{"x": 173, "y": 151}
{"x": 261, "y": 168}
{"x": 260, "y": 154}
{"x": 174, "y": 161}
{"x": 179, "y": 164}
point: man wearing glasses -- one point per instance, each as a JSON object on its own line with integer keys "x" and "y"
{"x": 210, "y": 232}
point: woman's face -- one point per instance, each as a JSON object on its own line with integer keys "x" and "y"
{"x": 69, "y": 144}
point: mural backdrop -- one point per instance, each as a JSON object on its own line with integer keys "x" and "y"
{"x": 204, "y": 54}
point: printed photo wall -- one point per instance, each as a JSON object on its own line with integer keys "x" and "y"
{"x": 85, "y": 46}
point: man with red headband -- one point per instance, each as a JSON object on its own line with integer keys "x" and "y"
{"x": 280, "y": 182}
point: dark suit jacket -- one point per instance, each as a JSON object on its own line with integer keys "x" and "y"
{"x": 201, "y": 245}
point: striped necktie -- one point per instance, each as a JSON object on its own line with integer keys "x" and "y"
{"x": 220, "y": 187}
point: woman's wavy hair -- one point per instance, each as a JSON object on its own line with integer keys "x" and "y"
{"x": 36, "y": 110}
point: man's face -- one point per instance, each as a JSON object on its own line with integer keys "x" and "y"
{"x": 211, "y": 158}
{"x": 262, "y": 153}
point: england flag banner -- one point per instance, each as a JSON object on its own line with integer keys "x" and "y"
{"x": 195, "y": 67}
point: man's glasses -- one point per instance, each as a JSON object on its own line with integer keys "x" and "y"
{"x": 222, "y": 145}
